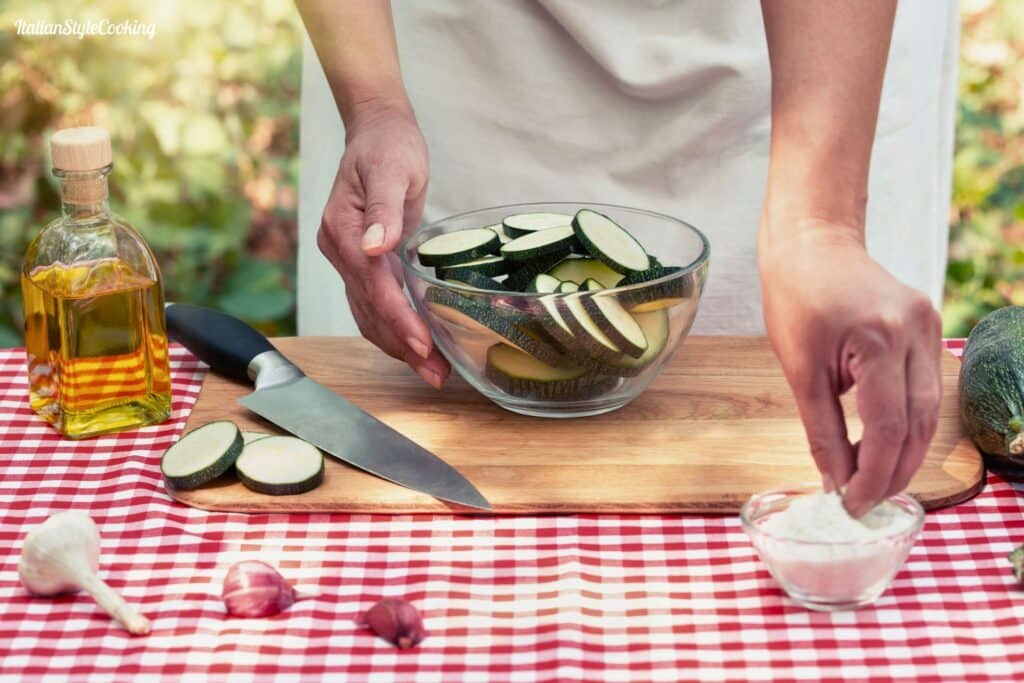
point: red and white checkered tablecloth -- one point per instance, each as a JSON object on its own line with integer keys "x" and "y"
{"x": 531, "y": 598}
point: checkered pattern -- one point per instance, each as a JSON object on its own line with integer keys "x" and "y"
{"x": 556, "y": 598}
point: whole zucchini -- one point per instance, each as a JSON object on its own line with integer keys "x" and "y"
{"x": 992, "y": 386}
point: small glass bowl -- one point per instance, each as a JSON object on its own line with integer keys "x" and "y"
{"x": 828, "y": 576}
{"x": 600, "y": 389}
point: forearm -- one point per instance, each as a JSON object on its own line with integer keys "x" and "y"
{"x": 827, "y": 62}
{"x": 355, "y": 42}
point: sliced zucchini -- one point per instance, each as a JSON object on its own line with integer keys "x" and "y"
{"x": 520, "y": 279}
{"x": 472, "y": 278}
{"x": 657, "y": 296}
{"x": 491, "y": 266}
{"x": 541, "y": 243}
{"x": 568, "y": 287}
{"x": 543, "y": 283}
{"x": 607, "y": 241}
{"x": 521, "y": 224}
{"x": 576, "y": 269}
{"x": 280, "y": 466}
{"x": 249, "y": 437}
{"x": 501, "y": 324}
{"x": 554, "y": 324}
{"x": 202, "y": 455}
{"x": 588, "y": 334}
{"x": 655, "y": 326}
{"x": 499, "y": 229}
{"x": 523, "y": 376}
{"x": 457, "y": 247}
{"x": 606, "y": 311}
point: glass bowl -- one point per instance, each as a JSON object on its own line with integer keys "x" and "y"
{"x": 832, "y": 575}
{"x": 575, "y": 384}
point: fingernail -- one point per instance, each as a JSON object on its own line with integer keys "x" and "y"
{"x": 828, "y": 483}
{"x": 418, "y": 347}
{"x": 431, "y": 377}
{"x": 373, "y": 237}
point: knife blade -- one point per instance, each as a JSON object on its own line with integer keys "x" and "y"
{"x": 298, "y": 404}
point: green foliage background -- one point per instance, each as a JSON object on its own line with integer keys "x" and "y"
{"x": 205, "y": 125}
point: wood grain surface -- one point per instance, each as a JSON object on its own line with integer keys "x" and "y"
{"x": 717, "y": 425}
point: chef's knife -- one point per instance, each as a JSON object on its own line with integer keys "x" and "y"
{"x": 307, "y": 409}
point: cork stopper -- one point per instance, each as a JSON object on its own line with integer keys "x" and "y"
{"x": 80, "y": 149}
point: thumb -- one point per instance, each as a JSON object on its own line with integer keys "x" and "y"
{"x": 825, "y": 426}
{"x": 383, "y": 215}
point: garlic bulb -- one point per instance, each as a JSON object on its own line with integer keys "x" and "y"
{"x": 61, "y": 555}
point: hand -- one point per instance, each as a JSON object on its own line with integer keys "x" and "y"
{"x": 836, "y": 318}
{"x": 378, "y": 197}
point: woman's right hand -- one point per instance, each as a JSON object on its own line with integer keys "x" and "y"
{"x": 377, "y": 198}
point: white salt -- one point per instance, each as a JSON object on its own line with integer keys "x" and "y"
{"x": 821, "y": 554}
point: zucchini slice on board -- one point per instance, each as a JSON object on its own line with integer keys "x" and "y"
{"x": 521, "y": 224}
{"x": 520, "y": 279}
{"x": 658, "y": 296}
{"x": 586, "y": 331}
{"x": 202, "y": 455}
{"x": 500, "y": 324}
{"x": 457, "y": 247}
{"x": 607, "y": 241}
{"x": 543, "y": 283}
{"x": 655, "y": 326}
{"x": 541, "y": 243}
{"x": 491, "y": 266}
{"x": 568, "y": 287}
{"x": 249, "y": 437}
{"x": 615, "y": 321}
{"x": 523, "y": 376}
{"x": 576, "y": 269}
{"x": 472, "y": 278}
{"x": 280, "y": 466}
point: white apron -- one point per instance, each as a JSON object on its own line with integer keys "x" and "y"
{"x": 659, "y": 104}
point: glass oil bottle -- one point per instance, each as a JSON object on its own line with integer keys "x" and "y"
{"x": 95, "y": 334}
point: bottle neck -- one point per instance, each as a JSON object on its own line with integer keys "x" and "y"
{"x": 83, "y": 194}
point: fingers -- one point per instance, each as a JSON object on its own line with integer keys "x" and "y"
{"x": 383, "y": 216}
{"x": 924, "y": 394}
{"x": 825, "y": 426}
{"x": 882, "y": 403}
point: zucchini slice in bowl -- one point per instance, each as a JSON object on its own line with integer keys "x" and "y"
{"x": 280, "y": 466}
{"x": 655, "y": 326}
{"x": 502, "y": 325}
{"x": 450, "y": 248}
{"x": 656, "y": 296}
{"x": 491, "y": 266}
{"x": 609, "y": 242}
{"x": 520, "y": 279}
{"x": 523, "y": 376}
{"x": 587, "y": 333}
{"x": 568, "y": 287}
{"x": 541, "y": 243}
{"x": 520, "y": 224}
{"x": 543, "y": 283}
{"x": 617, "y": 324}
{"x": 202, "y": 455}
{"x": 472, "y": 278}
{"x": 576, "y": 269}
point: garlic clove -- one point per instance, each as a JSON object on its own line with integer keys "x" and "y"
{"x": 396, "y": 621}
{"x": 255, "y": 589}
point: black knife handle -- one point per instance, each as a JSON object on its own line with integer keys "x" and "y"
{"x": 223, "y": 342}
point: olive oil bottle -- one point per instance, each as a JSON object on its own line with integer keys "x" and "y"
{"x": 95, "y": 334}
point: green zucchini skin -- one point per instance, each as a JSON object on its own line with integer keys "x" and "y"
{"x": 489, "y": 247}
{"x": 576, "y": 269}
{"x": 520, "y": 279}
{"x": 519, "y": 375}
{"x": 992, "y": 386}
{"x": 472, "y": 278}
{"x": 491, "y": 266}
{"x": 507, "y": 324}
{"x": 651, "y": 297}
{"x": 550, "y": 242}
{"x": 595, "y": 250}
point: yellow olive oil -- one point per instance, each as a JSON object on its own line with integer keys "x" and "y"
{"x": 97, "y": 347}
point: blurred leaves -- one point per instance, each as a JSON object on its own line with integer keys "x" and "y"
{"x": 986, "y": 251}
{"x": 204, "y": 122}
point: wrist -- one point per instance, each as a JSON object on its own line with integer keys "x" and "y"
{"x": 363, "y": 105}
{"x": 785, "y": 237}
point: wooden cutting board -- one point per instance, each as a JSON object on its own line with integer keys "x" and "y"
{"x": 718, "y": 425}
